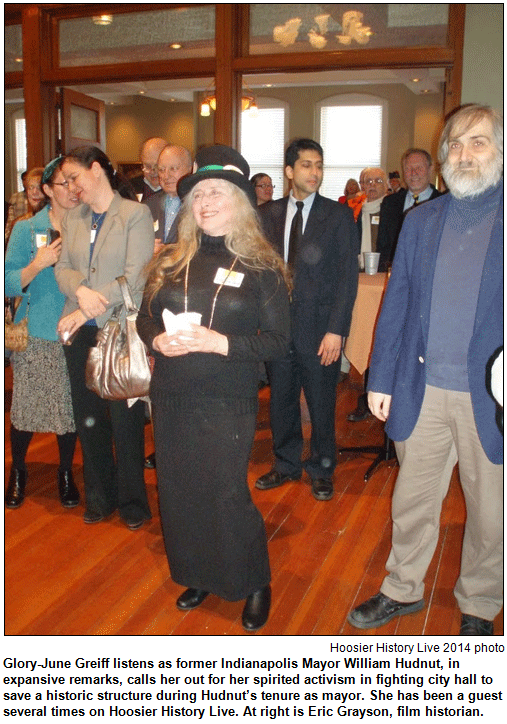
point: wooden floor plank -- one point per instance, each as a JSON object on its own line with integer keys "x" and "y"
{"x": 63, "y": 577}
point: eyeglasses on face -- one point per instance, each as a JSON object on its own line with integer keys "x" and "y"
{"x": 265, "y": 186}
{"x": 371, "y": 181}
{"x": 149, "y": 169}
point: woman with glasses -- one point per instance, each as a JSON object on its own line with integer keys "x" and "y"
{"x": 263, "y": 188}
{"x": 41, "y": 399}
{"x": 107, "y": 236}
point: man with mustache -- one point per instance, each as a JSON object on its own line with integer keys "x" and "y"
{"x": 441, "y": 321}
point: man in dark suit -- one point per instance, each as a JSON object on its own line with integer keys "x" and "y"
{"x": 148, "y": 184}
{"x": 441, "y": 321}
{"x": 318, "y": 238}
{"x": 418, "y": 170}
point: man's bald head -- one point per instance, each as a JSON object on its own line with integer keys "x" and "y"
{"x": 173, "y": 163}
{"x": 150, "y": 151}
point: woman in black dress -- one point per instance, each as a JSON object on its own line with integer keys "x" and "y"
{"x": 204, "y": 385}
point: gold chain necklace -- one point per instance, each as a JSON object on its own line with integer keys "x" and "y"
{"x": 216, "y": 293}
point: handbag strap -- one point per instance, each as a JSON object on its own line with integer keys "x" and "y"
{"x": 127, "y": 295}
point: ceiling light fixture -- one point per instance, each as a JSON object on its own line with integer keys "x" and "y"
{"x": 175, "y": 46}
{"x": 18, "y": 60}
{"x": 102, "y": 19}
{"x": 416, "y": 80}
{"x": 209, "y": 103}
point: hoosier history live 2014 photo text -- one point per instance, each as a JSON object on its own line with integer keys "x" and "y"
{"x": 261, "y": 678}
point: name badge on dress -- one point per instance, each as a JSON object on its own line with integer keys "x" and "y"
{"x": 228, "y": 278}
{"x": 41, "y": 240}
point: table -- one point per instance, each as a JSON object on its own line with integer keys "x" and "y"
{"x": 370, "y": 292}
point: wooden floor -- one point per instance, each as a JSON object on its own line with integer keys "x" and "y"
{"x": 63, "y": 577}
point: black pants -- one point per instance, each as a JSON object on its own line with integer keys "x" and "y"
{"x": 287, "y": 377}
{"x": 109, "y": 483}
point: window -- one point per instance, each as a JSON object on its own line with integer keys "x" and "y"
{"x": 351, "y": 134}
{"x": 263, "y": 141}
{"x": 20, "y": 149}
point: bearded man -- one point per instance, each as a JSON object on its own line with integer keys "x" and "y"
{"x": 441, "y": 321}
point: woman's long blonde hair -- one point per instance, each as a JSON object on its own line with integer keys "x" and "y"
{"x": 245, "y": 240}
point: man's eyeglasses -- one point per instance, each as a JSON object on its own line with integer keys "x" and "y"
{"x": 150, "y": 169}
{"x": 264, "y": 186}
{"x": 371, "y": 181}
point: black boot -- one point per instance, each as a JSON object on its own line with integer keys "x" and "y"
{"x": 256, "y": 611}
{"x": 69, "y": 494}
{"x": 15, "y": 495}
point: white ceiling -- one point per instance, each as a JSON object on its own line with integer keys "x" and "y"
{"x": 181, "y": 90}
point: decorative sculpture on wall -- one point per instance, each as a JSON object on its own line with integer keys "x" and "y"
{"x": 352, "y": 29}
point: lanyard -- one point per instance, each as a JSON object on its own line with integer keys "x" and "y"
{"x": 216, "y": 293}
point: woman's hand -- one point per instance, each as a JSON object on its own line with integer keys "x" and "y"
{"x": 91, "y": 303}
{"x": 202, "y": 339}
{"x": 48, "y": 255}
{"x": 196, "y": 339}
{"x": 70, "y": 324}
{"x": 169, "y": 345}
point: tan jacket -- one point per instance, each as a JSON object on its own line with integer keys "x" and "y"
{"x": 124, "y": 246}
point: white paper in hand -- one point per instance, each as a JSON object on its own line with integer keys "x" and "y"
{"x": 175, "y": 323}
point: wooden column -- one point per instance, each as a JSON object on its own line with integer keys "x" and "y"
{"x": 227, "y": 82}
{"x": 453, "y": 74}
{"x": 32, "y": 85}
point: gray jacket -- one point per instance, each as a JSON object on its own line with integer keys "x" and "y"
{"x": 124, "y": 246}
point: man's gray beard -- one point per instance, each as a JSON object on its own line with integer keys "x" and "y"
{"x": 466, "y": 184}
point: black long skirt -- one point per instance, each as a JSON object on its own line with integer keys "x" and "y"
{"x": 214, "y": 535}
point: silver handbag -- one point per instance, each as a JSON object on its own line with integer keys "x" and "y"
{"x": 117, "y": 367}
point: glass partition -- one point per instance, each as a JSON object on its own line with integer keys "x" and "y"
{"x": 303, "y": 27}
{"x": 135, "y": 37}
{"x": 13, "y": 48}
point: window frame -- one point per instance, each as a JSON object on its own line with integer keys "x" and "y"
{"x": 355, "y": 99}
{"x": 265, "y": 102}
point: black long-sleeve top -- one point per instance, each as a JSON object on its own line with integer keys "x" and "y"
{"x": 253, "y": 316}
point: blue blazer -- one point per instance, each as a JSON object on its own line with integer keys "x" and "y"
{"x": 397, "y": 365}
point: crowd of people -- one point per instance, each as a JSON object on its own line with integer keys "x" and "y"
{"x": 272, "y": 281}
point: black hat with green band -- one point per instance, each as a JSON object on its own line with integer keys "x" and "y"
{"x": 221, "y": 162}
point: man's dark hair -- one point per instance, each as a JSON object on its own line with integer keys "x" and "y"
{"x": 301, "y": 144}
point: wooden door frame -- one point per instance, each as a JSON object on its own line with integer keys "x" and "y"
{"x": 71, "y": 98}
{"x": 41, "y": 74}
